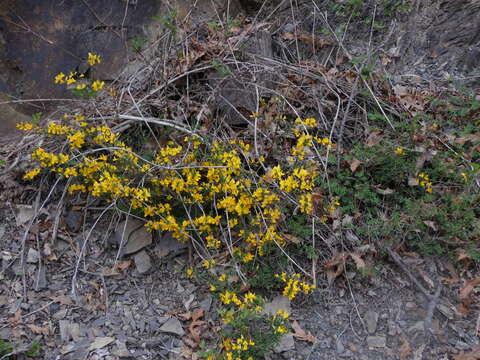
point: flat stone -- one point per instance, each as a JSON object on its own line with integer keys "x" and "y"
{"x": 173, "y": 326}
{"x": 278, "y": 303}
{"x": 376, "y": 341}
{"x": 32, "y": 256}
{"x": 64, "y": 330}
{"x": 418, "y": 326}
{"x": 206, "y": 303}
{"x": 121, "y": 350}
{"x": 142, "y": 262}
{"x": 169, "y": 245}
{"x": 133, "y": 235}
{"x": 287, "y": 343}
{"x": 73, "y": 220}
{"x": 41, "y": 279}
{"x": 371, "y": 319}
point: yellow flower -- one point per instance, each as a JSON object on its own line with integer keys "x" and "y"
{"x": 223, "y": 277}
{"x": 60, "y": 78}
{"x": 207, "y": 264}
{"x": 24, "y": 126}
{"x": 283, "y": 314}
{"x": 76, "y": 140}
{"x": 98, "y": 85}
{"x": 189, "y": 272}
{"x": 31, "y": 174}
{"x": 213, "y": 288}
{"x": 465, "y": 177}
{"x": 248, "y": 257}
{"x": 76, "y": 187}
{"x": 93, "y": 59}
{"x": 281, "y": 329}
{"x": 399, "y": 151}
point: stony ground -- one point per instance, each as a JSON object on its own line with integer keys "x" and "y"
{"x": 140, "y": 311}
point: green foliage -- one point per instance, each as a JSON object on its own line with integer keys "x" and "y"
{"x": 6, "y": 348}
{"x": 138, "y": 44}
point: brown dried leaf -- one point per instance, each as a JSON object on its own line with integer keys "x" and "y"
{"x": 374, "y": 138}
{"x": 354, "y": 164}
{"x": 468, "y": 288}
{"x": 301, "y": 334}
{"x": 335, "y": 266}
{"x": 122, "y": 265}
{"x": 358, "y": 261}
{"x": 62, "y": 299}
{"x": 386, "y": 191}
{"x": 39, "y": 330}
{"x": 462, "y": 255}
{"x": 431, "y": 225}
{"x": 291, "y": 238}
{"x": 405, "y": 349}
{"x": 197, "y": 314}
{"x": 474, "y": 355}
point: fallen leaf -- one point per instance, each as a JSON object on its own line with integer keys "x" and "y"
{"x": 354, "y": 164}
{"x": 334, "y": 267}
{"x": 465, "y": 293}
{"x": 469, "y": 286}
{"x": 15, "y": 319}
{"x": 62, "y": 299}
{"x": 374, "y": 138}
{"x": 39, "y": 330}
{"x": 301, "y": 334}
{"x": 386, "y": 191}
{"x": 431, "y": 225}
{"x": 358, "y": 261}
{"x": 291, "y": 238}
{"x": 195, "y": 329}
{"x": 405, "y": 349}
{"x": 474, "y": 355}
{"x": 122, "y": 265}
{"x": 462, "y": 255}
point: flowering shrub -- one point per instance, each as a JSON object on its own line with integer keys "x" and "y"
{"x": 78, "y": 83}
{"x": 219, "y": 196}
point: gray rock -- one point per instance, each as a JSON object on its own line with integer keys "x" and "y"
{"x": 142, "y": 262}
{"x": 339, "y": 346}
{"x": 418, "y": 326}
{"x": 41, "y": 279}
{"x": 376, "y": 341}
{"x": 173, "y": 326}
{"x": 287, "y": 343}
{"x": 32, "y": 256}
{"x": 278, "y": 303}
{"x": 371, "y": 319}
{"x": 206, "y": 303}
{"x": 460, "y": 345}
{"x": 73, "y": 220}
{"x": 392, "y": 328}
{"x": 121, "y": 349}
{"x": 168, "y": 245}
{"x": 64, "y": 330}
{"x": 133, "y": 235}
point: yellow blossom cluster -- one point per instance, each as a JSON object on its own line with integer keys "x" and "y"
{"x": 219, "y": 180}
{"x": 78, "y": 81}
{"x": 293, "y": 285}
{"x": 424, "y": 181}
